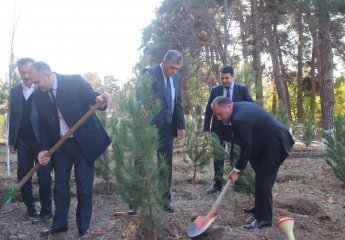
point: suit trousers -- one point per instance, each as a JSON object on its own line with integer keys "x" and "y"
{"x": 27, "y": 150}
{"x": 266, "y": 168}
{"x": 66, "y": 156}
{"x": 165, "y": 149}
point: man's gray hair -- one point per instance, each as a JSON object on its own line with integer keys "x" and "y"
{"x": 41, "y": 67}
{"x": 221, "y": 101}
{"x": 24, "y": 61}
{"x": 175, "y": 56}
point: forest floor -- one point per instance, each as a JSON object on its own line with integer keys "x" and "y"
{"x": 306, "y": 189}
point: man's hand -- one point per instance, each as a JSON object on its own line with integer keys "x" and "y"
{"x": 206, "y": 135}
{"x": 144, "y": 112}
{"x": 233, "y": 176}
{"x": 42, "y": 159}
{"x": 12, "y": 149}
{"x": 104, "y": 99}
{"x": 181, "y": 134}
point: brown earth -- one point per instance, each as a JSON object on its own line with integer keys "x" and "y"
{"x": 306, "y": 189}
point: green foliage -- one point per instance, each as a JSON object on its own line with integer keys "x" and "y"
{"x": 141, "y": 177}
{"x": 308, "y": 129}
{"x": 246, "y": 182}
{"x": 200, "y": 150}
{"x": 335, "y": 147}
{"x": 103, "y": 164}
{"x": 339, "y": 95}
{"x": 282, "y": 115}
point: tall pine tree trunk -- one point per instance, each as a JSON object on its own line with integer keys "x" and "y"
{"x": 273, "y": 49}
{"x": 326, "y": 57}
{"x": 300, "y": 112}
{"x": 256, "y": 52}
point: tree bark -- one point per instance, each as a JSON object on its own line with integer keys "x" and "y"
{"x": 256, "y": 52}
{"x": 300, "y": 113}
{"x": 326, "y": 57}
{"x": 273, "y": 49}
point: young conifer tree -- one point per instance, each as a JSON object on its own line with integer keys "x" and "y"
{"x": 141, "y": 180}
{"x": 103, "y": 163}
{"x": 308, "y": 130}
{"x": 335, "y": 147}
{"x": 198, "y": 149}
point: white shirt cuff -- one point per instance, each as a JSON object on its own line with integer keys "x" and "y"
{"x": 236, "y": 170}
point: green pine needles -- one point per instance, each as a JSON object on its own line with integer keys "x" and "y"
{"x": 141, "y": 180}
{"x": 335, "y": 147}
{"x": 308, "y": 130}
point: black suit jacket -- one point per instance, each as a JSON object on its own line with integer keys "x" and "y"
{"x": 256, "y": 129}
{"x": 240, "y": 93}
{"x": 16, "y": 108}
{"x": 74, "y": 97}
{"x": 160, "y": 92}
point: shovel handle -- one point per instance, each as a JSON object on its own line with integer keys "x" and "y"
{"x": 59, "y": 143}
{"x": 221, "y": 195}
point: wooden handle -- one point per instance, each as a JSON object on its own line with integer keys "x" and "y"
{"x": 59, "y": 143}
{"x": 221, "y": 195}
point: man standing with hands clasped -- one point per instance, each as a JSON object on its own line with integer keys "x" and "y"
{"x": 235, "y": 92}
{"x": 23, "y": 139}
{"x": 265, "y": 142}
{"x": 170, "y": 121}
{"x": 61, "y": 101}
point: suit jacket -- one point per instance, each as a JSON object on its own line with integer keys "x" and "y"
{"x": 240, "y": 93}
{"x": 160, "y": 92}
{"x": 16, "y": 108}
{"x": 256, "y": 129}
{"x": 74, "y": 96}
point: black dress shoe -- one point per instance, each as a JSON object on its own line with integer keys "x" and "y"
{"x": 249, "y": 210}
{"x": 214, "y": 189}
{"x": 132, "y": 210}
{"x": 51, "y": 230}
{"x": 168, "y": 208}
{"x": 258, "y": 224}
{"x": 41, "y": 218}
{"x": 83, "y": 233}
{"x": 33, "y": 212}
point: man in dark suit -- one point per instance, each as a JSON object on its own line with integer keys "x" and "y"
{"x": 170, "y": 120}
{"x": 23, "y": 140}
{"x": 61, "y": 101}
{"x": 265, "y": 142}
{"x": 236, "y": 93}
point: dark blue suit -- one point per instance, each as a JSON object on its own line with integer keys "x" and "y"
{"x": 74, "y": 96}
{"x": 266, "y": 143}
{"x": 240, "y": 93}
{"x": 27, "y": 148}
{"x": 167, "y": 131}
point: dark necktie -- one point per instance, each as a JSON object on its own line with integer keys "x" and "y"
{"x": 52, "y": 96}
{"x": 169, "y": 94}
{"x": 228, "y": 92}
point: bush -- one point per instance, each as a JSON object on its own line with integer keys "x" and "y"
{"x": 335, "y": 147}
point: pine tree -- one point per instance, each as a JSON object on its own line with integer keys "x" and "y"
{"x": 140, "y": 179}
{"x": 308, "y": 130}
{"x": 335, "y": 147}
{"x": 103, "y": 163}
{"x": 199, "y": 150}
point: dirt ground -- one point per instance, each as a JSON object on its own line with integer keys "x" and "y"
{"x": 306, "y": 189}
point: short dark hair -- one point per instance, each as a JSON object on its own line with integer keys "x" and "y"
{"x": 175, "y": 56}
{"x": 227, "y": 69}
{"x": 24, "y": 61}
{"x": 41, "y": 67}
{"x": 221, "y": 101}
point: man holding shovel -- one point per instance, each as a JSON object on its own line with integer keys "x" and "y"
{"x": 23, "y": 139}
{"x": 265, "y": 142}
{"x": 61, "y": 101}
